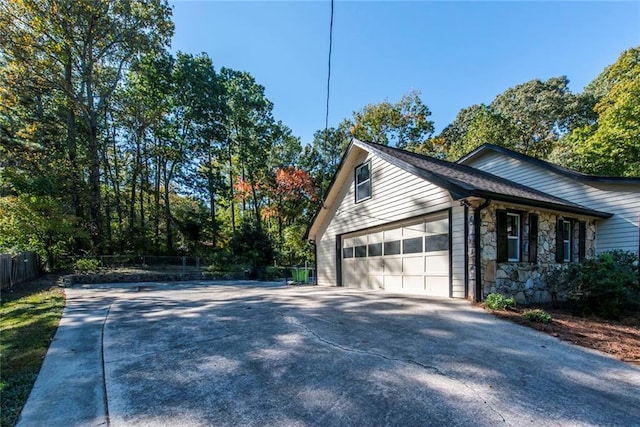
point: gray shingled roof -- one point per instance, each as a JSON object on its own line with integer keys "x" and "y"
{"x": 464, "y": 181}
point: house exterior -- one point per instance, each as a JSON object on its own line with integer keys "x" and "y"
{"x": 403, "y": 222}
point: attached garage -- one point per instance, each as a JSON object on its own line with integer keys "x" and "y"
{"x": 411, "y": 256}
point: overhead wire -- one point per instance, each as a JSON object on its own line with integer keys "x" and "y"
{"x": 326, "y": 117}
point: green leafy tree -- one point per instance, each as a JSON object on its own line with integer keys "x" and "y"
{"x": 78, "y": 50}
{"x": 322, "y": 157}
{"x": 401, "y": 123}
{"x": 539, "y": 112}
{"x": 487, "y": 126}
{"x": 612, "y": 145}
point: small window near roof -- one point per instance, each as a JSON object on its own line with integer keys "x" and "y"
{"x": 363, "y": 182}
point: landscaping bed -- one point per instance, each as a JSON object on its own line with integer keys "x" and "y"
{"x": 620, "y": 338}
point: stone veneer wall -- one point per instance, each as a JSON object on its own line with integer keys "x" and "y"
{"x": 523, "y": 280}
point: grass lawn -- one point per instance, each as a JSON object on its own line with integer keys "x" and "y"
{"x": 29, "y": 317}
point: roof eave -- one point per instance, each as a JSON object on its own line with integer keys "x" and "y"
{"x": 541, "y": 204}
{"x": 478, "y": 152}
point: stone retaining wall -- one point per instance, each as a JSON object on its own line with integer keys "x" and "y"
{"x": 147, "y": 276}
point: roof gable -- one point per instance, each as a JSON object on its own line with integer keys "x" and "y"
{"x": 465, "y": 181}
{"x": 460, "y": 180}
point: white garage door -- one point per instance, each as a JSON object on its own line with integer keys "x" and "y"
{"x": 410, "y": 257}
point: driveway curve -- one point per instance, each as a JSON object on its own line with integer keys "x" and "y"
{"x": 251, "y": 354}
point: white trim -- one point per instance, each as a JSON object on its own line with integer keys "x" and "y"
{"x": 516, "y": 237}
{"x": 365, "y": 182}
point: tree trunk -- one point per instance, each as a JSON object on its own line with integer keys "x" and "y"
{"x": 72, "y": 148}
{"x": 212, "y": 202}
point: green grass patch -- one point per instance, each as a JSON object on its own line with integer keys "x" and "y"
{"x": 29, "y": 317}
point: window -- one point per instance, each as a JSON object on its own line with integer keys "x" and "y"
{"x": 438, "y": 242}
{"x": 412, "y": 245}
{"x": 363, "y": 182}
{"x": 509, "y": 232}
{"x": 564, "y": 245}
{"x": 361, "y": 251}
{"x": 566, "y": 241}
{"x": 392, "y": 248}
{"x": 347, "y": 253}
{"x": 375, "y": 249}
{"x": 513, "y": 237}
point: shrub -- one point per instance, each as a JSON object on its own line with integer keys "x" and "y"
{"x": 86, "y": 265}
{"x": 604, "y": 285}
{"x": 499, "y": 302}
{"x": 252, "y": 246}
{"x": 537, "y": 315}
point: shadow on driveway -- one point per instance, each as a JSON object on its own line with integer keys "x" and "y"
{"x": 253, "y": 354}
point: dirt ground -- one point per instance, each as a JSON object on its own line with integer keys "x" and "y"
{"x": 619, "y": 338}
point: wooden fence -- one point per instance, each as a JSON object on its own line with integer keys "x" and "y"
{"x": 16, "y": 269}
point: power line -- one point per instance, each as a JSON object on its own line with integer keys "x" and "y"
{"x": 326, "y": 117}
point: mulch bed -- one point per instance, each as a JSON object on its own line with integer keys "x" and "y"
{"x": 620, "y": 338}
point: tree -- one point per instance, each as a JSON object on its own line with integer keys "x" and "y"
{"x": 249, "y": 140}
{"x": 291, "y": 194}
{"x": 539, "y": 112}
{"x": 322, "y": 157}
{"x": 451, "y": 137}
{"x": 612, "y": 145}
{"x": 401, "y": 123}
{"x": 78, "y": 51}
{"x": 487, "y": 126}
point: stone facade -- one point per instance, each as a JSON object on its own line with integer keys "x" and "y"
{"x": 525, "y": 280}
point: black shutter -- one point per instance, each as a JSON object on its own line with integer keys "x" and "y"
{"x": 501, "y": 227}
{"x": 533, "y": 238}
{"x": 559, "y": 241}
{"x": 582, "y": 236}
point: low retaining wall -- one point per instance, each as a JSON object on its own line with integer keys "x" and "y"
{"x": 119, "y": 277}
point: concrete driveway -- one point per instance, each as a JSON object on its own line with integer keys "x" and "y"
{"x": 195, "y": 354}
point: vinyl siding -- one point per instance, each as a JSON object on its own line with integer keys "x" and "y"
{"x": 395, "y": 195}
{"x": 622, "y": 200}
{"x": 457, "y": 251}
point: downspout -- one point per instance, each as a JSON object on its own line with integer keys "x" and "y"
{"x": 476, "y": 227}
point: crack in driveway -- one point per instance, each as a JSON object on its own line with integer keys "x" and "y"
{"x": 294, "y": 321}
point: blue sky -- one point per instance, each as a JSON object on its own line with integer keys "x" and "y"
{"x": 455, "y": 53}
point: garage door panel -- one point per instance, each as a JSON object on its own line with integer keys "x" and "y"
{"x": 376, "y": 281}
{"x": 392, "y": 265}
{"x": 438, "y": 286}
{"x": 376, "y": 266}
{"x": 437, "y": 265}
{"x": 413, "y": 265}
{"x": 360, "y": 268}
{"x": 413, "y": 283}
{"x": 392, "y": 282}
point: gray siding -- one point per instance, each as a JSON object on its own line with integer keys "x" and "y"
{"x": 396, "y": 195}
{"x": 457, "y": 251}
{"x": 622, "y": 200}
